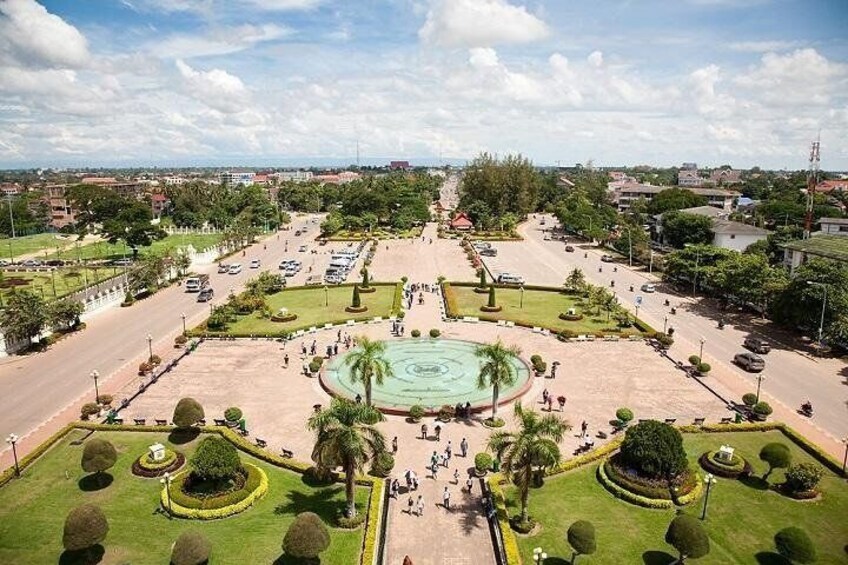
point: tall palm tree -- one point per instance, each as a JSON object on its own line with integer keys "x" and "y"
{"x": 367, "y": 363}
{"x": 497, "y": 369}
{"x": 532, "y": 446}
{"x": 346, "y": 437}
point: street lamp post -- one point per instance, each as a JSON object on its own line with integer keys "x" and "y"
{"x": 150, "y": 347}
{"x": 166, "y": 483}
{"x": 95, "y": 375}
{"x": 845, "y": 457}
{"x": 824, "y": 306}
{"x": 521, "y": 297}
{"x": 701, "y": 351}
{"x": 13, "y": 440}
{"x": 539, "y": 556}
{"x": 183, "y": 316}
{"x": 665, "y": 324}
{"x": 326, "y": 295}
{"x": 709, "y": 480}
{"x": 629, "y": 248}
{"x": 760, "y": 378}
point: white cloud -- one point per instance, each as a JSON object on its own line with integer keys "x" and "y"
{"x": 483, "y": 57}
{"x": 32, "y": 35}
{"x": 803, "y": 76}
{"x": 212, "y": 7}
{"x": 217, "y": 88}
{"x": 707, "y": 100}
{"x": 480, "y": 23}
{"x": 763, "y": 46}
{"x": 595, "y": 58}
{"x": 219, "y": 41}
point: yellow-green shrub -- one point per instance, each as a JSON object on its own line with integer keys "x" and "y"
{"x": 213, "y": 514}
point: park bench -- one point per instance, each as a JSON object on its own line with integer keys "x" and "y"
{"x": 502, "y": 323}
{"x": 161, "y": 422}
{"x": 313, "y": 329}
{"x": 590, "y": 337}
{"x": 298, "y": 333}
{"x": 699, "y": 421}
{"x": 220, "y": 422}
{"x": 727, "y": 420}
{"x": 393, "y": 318}
{"x": 670, "y": 421}
{"x": 118, "y": 421}
{"x": 350, "y": 323}
{"x": 580, "y": 337}
{"x": 510, "y": 324}
{"x": 536, "y": 330}
{"x": 261, "y": 443}
{"x": 201, "y": 422}
{"x": 635, "y": 337}
{"x": 546, "y": 331}
{"x": 287, "y": 453}
{"x": 328, "y": 325}
{"x": 377, "y": 319}
{"x": 609, "y": 337}
{"x": 139, "y": 421}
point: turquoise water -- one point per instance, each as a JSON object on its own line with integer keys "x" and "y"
{"x": 429, "y": 372}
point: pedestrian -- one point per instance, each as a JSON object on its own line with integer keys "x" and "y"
{"x": 339, "y": 336}
{"x": 359, "y": 399}
{"x": 408, "y": 476}
{"x": 434, "y": 458}
{"x": 463, "y": 446}
{"x": 414, "y": 481}
{"x": 446, "y": 499}
{"x": 550, "y": 404}
{"x": 469, "y": 483}
{"x": 395, "y": 489}
{"x": 336, "y": 349}
{"x": 456, "y": 476}
{"x": 329, "y": 351}
{"x": 394, "y": 445}
{"x": 584, "y": 426}
{"x": 286, "y": 360}
{"x": 423, "y": 431}
{"x": 303, "y": 349}
{"x": 305, "y": 369}
{"x": 409, "y": 504}
{"x": 438, "y": 429}
{"x": 545, "y": 396}
{"x": 445, "y": 460}
{"x": 435, "y": 471}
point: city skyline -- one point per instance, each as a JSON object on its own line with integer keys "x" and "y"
{"x": 251, "y": 82}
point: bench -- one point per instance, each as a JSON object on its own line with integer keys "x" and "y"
{"x": 139, "y": 421}
{"x": 299, "y": 333}
{"x": 590, "y": 337}
{"x": 393, "y": 318}
{"x": 536, "y": 330}
{"x": 510, "y": 324}
{"x": 350, "y": 323}
{"x": 580, "y": 337}
{"x": 161, "y": 422}
{"x": 377, "y": 319}
{"x": 118, "y": 421}
{"x": 670, "y": 421}
{"x": 261, "y": 443}
{"x": 635, "y": 337}
{"x": 327, "y": 326}
{"x": 727, "y": 420}
{"x": 313, "y": 329}
{"x": 287, "y": 453}
{"x": 699, "y": 421}
{"x": 220, "y": 422}
{"x": 201, "y": 422}
{"x": 502, "y": 323}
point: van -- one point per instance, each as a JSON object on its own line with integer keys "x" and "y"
{"x": 235, "y": 269}
{"x": 340, "y": 263}
{"x": 196, "y": 283}
{"x": 508, "y": 278}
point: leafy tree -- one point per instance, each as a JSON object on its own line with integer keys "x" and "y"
{"x": 581, "y": 538}
{"x": 368, "y": 364}
{"x": 306, "y": 537}
{"x": 803, "y": 477}
{"x": 748, "y": 278}
{"x": 497, "y": 369}
{"x": 505, "y": 186}
{"x": 672, "y": 199}
{"x": 654, "y": 450}
{"x": 332, "y": 223}
{"x": 346, "y": 437}
{"x": 187, "y": 413}
{"x": 794, "y": 544}
{"x": 777, "y": 455}
{"x": 215, "y": 460}
{"x": 24, "y": 316}
{"x": 532, "y": 446}
{"x": 85, "y": 527}
{"x": 146, "y": 273}
{"x": 64, "y": 313}
{"x": 98, "y": 455}
{"x": 695, "y": 261}
{"x": 191, "y": 548}
{"x": 29, "y": 211}
{"x": 365, "y": 281}
{"x": 680, "y": 228}
{"x": 688, "y": 537}
{"x": 771, "y": 247}
{"x": 266, "y": 283}
{"x": 576, "y": 281}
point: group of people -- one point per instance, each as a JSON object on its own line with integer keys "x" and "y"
{"x": 398, "y": 328}
{"x": 548, "y": 400}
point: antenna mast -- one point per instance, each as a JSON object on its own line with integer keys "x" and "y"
{"x": 812, "y": 182}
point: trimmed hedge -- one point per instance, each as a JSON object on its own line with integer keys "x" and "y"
{"x": 643, "y": 501}
{"x": 513, "y": 555}
{"x": 373, "y": 523}
{"x": 256, "y": 478}
{"x": 587, "y": 458}
{"x": 140, "y": 471}
{"x": 641, "y": 486}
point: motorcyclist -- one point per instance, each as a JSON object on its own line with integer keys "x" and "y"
{"x": 807, "y": 407}
{"x": 721, "y": 323}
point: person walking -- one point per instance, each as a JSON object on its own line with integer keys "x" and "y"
{"x": 394, "y": 445}
{"x": 286, "y": 360}
{"x": 435, "y": 471}
{"x": 423, "y": 431}
{"x": 463, "y": 447}
{"x": 409, "y": 505}
{"x": 438, "y": 429}
{"x": 414, "y": 481}
{"x": 434, "y": 458}
{"x": 420, "y": 505}
{"x": 408, "y": 476}
{"x": 583, "y": 427}
{"x": 449, "y": 449}
{"x": 456, "y": 476}
{"x": 469, "y": 483}
{"x": 446, "y": 499}
{"x": 395, "y": 488}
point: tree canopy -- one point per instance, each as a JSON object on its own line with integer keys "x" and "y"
{"x": 680, "y": 229}
{"x": 654, "y": 450}
{"x": 688, "y": 537}
{"x": 675, "y": 199}
{"x": 216, "y": 459}
{"x": 306, "y": 537}
{"x": 491, "y": 188}
{"x": 24, "y": 315}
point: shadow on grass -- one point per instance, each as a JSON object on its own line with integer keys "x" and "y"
{"x": 181, "y": 436}
{"x": 289, "y": 560}
{"x": 88, "y": 556}
{"x": 655, "y": 557}
{"x": 754, "y": 482}
{"x": 319, "y": 501}
{"x": 557, "y": 561}
{"x": 95, "y": 482}
{"x": 771, "y": 558}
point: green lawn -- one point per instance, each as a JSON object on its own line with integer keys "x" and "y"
{"x": 540, "y": 308}
{"x": 28, "y": 244}
{"x": 67, "y": 279}
{"x": 33, "y": 510}
{"x": 379, "y": 233}
{"x": 741, "y": 520}
{"x": 105, "y": 250}
{"x": 310, "y": 305}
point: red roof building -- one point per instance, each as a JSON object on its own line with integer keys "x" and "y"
{"x": 399, "y": 166}
{"x": 461, "y": 222}
{"x": 828, "y": 186}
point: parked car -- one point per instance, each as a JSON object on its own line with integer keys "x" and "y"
{"x": 313, "y": 280}
{"x": 489, "y": 252}
{"x": 607, "y": 258}
{"x": 302, "y": 248}
{"x": 4, "y": 263}
{"x": 32, "y": 263}
{"x": 55, "y": 263}
{"x": 122, "y": 262}
{"x": 750, "y": 362}
{"x": 509, "y": 278}
{"x": 648, "y": 287}
{"x": 235, "y": 269}
{"x": 482, "y": 244}
{"x": 255, "y": 263}
{"x": 206, "y": 294}
{"x": 222, "y": 268}
{"x": 569, "y": 248}
{"x": 757, "y": 345}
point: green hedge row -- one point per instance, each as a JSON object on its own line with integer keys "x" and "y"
{"x": 176, "y": 509}
{"x": 624, "y": 494}
{"x": 513, "y": 555}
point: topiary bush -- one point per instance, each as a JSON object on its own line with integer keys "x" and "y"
{"x": 482, "y": 463}
{"x": 434, "y": 333}
{"x": 624, "y": 415}
{"x": 749, "y": 399}
{"x": 382, "y": 465}
{"x": 306, "y": 537}
{"x": 187, "y": 413}
{"x": 491, "y": 303}
{"x": 703, "y": 368}
{"x": 233, "y": 414}
{"x": 777, "y": 455}
{"x": 416, "y": 412}
{"x": 446, "y": 413}
{"x": 85, "y": 526}
{"x": 664, "y": 340}
{"x": 88, "y": 410}
{"x": 794, "y": 544}
{"x": 654, "y": 450}
{"x": 694, "y": 360}
{"x": 688, "y": 537}
{"x": 415, "y": 333}
{"x": 762, "y": 410}
{"x": 802, "y": 478}
{"x": 581, "y": 538}
{"x": 98, "y": 455}
{"x": 216, "y": 460}
{"x": 191, "y": 548}
{"x": 314, "y": 366}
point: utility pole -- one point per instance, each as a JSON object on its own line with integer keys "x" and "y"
{"x": 812, "y": 182}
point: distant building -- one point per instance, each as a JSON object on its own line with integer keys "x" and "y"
{"x": 348, "y": 176}
{"x": 159, "y": 203}
{"x": 126, "y": 188}
{"x": 340, "y": 178}
{"x": 563, "y": 182}
{"x": 825, "y": 246}
{"x": 232, "y": 178}
{"x": 624, "y": 195}
{"x": 834, "y": 226}
{"x": 292, "y": 176}
{"x": 461, "y": 222}
{"x": 689, "y": 179}
{"x": 726, "y": 234}
{"x": 11, "y": 189}
{"x": 725, "y": 177}
{"x": 399, "y": 166}
{"x": 828, "y": 186}
{"x": 61, "y": 213}
{"x": 174, "y": 181}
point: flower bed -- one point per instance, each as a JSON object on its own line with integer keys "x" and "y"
{"x": 283, "y": 319}
{"x": 733, "y": 470}
{"x": 356, "y": 309}
{"x": 644, "y": 501}
{"x": 645, "y": 487}
{"x": 146, "y": 467}
{"x": 183, "y": 505}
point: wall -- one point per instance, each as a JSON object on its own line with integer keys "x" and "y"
{"x": 738, "y": 243}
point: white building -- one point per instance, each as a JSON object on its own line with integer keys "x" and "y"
{"x": 292, "y": 176}
{"x": 174, "y": 181}
{"x": 231, "y": 178}
{"x": 825, "y": 246}
{"x": 834, "y": 226}
{"x": 726, "y": 234}
{"x": 624, "y": 195}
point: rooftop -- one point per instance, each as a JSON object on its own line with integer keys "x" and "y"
{"x": 830, "y": 246}
{"x": 837, "y": 221}
{"x": 736, "y": 228}
{"x": 652, "y": 189}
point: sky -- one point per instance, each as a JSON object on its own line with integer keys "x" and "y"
{"x": 265, "y": 82}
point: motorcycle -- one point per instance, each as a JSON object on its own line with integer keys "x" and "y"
{"x": 673, "y": 310}
{"x": 807, "y": 409}
{"x": 721, "y": 324}
{"x": 612, "y": 283}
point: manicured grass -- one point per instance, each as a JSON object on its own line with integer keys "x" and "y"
{"x": 345, "y": 235}
{"x": 104, "y": 250}
{"x": 540, "y": 308}
{"x": 33, "y": 510}
{"x": 309, "y": 303}
{"x": 741, "y": 519}
{"x": 67, "y": 279}
{"x": 28, "y": 244}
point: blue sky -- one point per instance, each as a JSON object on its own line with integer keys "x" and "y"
{"x": 185, "y": 82}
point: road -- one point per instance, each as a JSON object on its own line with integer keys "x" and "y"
{"x": 790, "y": 376}
{"x": 35, "y": 387}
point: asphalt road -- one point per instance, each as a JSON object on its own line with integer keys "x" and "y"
{"x": 790, "y": 376}
{"x": 35, "y": 387}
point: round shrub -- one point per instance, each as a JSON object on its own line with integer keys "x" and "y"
{"x": 434, "y": 333}
{"x": 191, "y": 548}
{"x": 306, "y": 537}
{"x": 694, "y": 360}
{"x": 624, "y": 415}
{"x": 762, "y": 410}
{"x": 483, "y": 462}
{"x": 727, "y": 469}
{"x": 749, "y": 399}
{"x": 581, "y": 538}
{"x": 98, "y": 455}
{"x": 314, "y": 366}
{"x": 106, "y": 399}
{"x": 215, "y": 460}
{"x": 703, "y": 368}
{"x": 664, "y": 339}
{"x": 446, "y": 413}
{"x": 187, "y": 413}
{"x": 85, "y": 526}
{"x": 794, "y": 544}
{"x": 802, "y": 478}
{"x": 382, "y": 465}
{"x": 654, "y": 449}
{"x": 88, "y": 410}
{"x": 688, "y": 537}
{"x": 180, "y": 340}
{"x": 416, "y": 412}
{"x": 777, "y": 455}
{"x": 232, "y": 414}
{"x": 145, "y": 368}
{"x": 415, "y": 333}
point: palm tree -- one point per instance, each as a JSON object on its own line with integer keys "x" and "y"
{"x": 367, "y": 363}
{"x": 497, "y": 369}
{"x": 532, "y": 446}
{"x": 345, "y": 437}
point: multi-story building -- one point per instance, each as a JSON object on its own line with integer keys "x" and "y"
{"x": 174, "y": 181}
{"x": 292, "y": 176}
{"x": 233, "y": 178}
{"x": 689, "y": 179}
{"x": 61, "y": 212}
{"x": 726, "y": 233}
{"x": 725, "y": 177}
{"x": 625, "y": 195}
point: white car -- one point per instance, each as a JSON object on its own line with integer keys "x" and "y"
{"x": 255, "y": 264}
{"x": 235, "y": 269}
{"x": 648, "y": 287}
